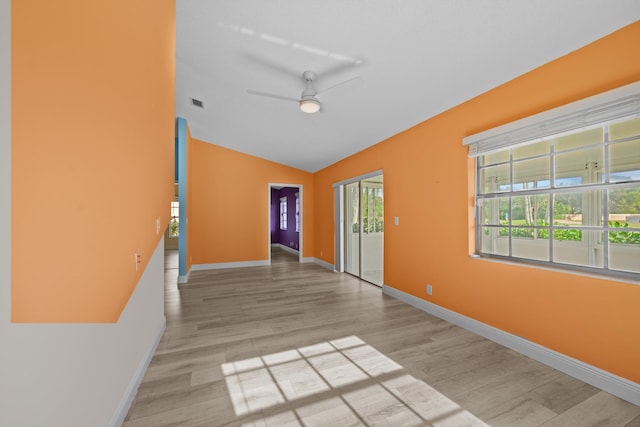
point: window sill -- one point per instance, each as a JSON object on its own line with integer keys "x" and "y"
{"x": 576, "y": 271}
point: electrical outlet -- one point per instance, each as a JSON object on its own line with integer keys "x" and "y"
{"x": 429, "y": 289}
{"x": 137, "y": 258}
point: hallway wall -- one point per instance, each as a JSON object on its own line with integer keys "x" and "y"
{"x": 229, "y": 204}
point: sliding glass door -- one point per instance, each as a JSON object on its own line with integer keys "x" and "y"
{"x": 352, "y": 228}
{"x": 364, "y": 229}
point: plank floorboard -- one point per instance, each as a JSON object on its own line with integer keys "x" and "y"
{"x": 298, "y": 345}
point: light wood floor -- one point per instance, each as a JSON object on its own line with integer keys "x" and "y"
{"x": 298, "y": 345}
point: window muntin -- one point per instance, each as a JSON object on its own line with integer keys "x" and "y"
{"x": 567, "y": 200}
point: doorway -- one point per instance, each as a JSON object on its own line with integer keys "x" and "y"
{"x": 363, "y": 228}
{"x": 285, "y": 219}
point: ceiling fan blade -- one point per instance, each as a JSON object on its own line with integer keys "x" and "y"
{"x": 273, "y": 65}
{"x": 326, "y": 89}
{"x": 271, "y": 95}
{"x": 343, "y": 65}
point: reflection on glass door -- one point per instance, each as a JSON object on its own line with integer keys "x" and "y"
{"x": 364, "y": 229}
{"x": 371, "y": 238}
{"x": 352, "y": 228}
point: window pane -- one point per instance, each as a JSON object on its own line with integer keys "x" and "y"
{"x": 493, "y": 158}
{"x": 587, "y": 164}
{"x": 495, "y": 240}
{"x": 624, "y": 206}
{"x": 530, "y": 243}
{"x": 496, "y": 179}
{"x": 530, "y": 150}
{"x": 624, "y": 129}
{"x": 495, "y": 211}
{"x": 624, "y": 229}
{"x": 577, "y": 209}
{"x": 624, "y": 250}
{"x": 530, "y": 210}
{"x": 624, "y": 159}
{"x": 529, "y": 174}
{"x": 580, "y": 139}
{"x": 283, "y": 213}
{"x": 174, "y": 227}
{"x": 585, "y": 252}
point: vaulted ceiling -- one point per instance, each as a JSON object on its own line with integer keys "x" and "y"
{"x": 394, "y": 64}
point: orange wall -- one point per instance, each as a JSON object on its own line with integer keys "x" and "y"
{"x": 426, "y": 177}
{"x": 229, "y": 204}
{"x": 92, "y": 152}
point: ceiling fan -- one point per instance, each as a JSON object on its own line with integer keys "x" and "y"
{"x": 307, "y": 102}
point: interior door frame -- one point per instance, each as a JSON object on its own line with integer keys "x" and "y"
{"x": 338, "y": 212}
{"x": 300, "y": 188}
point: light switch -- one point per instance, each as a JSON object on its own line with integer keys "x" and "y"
{"x": 396, "y": 220}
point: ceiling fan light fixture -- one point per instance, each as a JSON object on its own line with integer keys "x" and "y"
{"x": 309, "y": 105}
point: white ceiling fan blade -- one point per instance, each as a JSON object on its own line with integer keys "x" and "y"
{"x": 273, "y": 65}
{"x": 338, "y": 84}
{"x": 271, "y": 95}
{"x": 343, "y": 65}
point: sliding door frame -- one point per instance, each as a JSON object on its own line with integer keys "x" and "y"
{"x": 339, "y": 220}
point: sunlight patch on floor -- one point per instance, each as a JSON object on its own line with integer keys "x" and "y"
{"x": 338, "y": 382}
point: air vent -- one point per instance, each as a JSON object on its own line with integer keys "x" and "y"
{"x": 197, "y": 103}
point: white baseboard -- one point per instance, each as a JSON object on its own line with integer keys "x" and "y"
{"x": 324, "y": 264}
{"x": 288, "y": 249}
{"x": 184, "y": 278}
{"x": 123, "y": 408}
{"x": 238, "y": 264}
{"x": 611, "y": 383}
{"x": 307, "y": 259}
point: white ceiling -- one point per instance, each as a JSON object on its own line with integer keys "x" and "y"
{"x": 413, "y": 58}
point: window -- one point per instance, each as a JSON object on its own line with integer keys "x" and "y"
{"x": 372, "y": 207}
{"x": 569, "y": 199}
{"x": 297, "y": 212}
{"x": 174, "y": 222}
{"x": 283, "y": 213}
